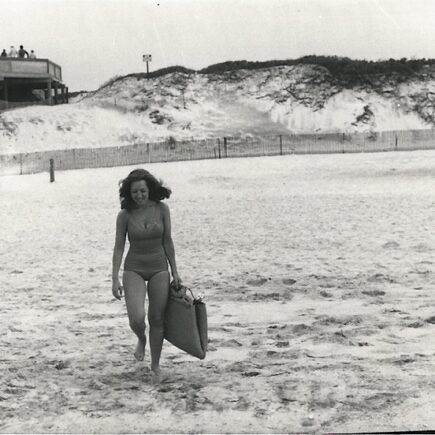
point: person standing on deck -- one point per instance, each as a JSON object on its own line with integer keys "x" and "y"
{"x": 22, "y": 53}
{"x": 13, "y": 52}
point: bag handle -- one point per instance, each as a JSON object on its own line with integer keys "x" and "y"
{"x": 182, "y": 292}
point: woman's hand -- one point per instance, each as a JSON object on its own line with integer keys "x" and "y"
{"x": 117, "y": 289}
{"x": 177, "y": 280}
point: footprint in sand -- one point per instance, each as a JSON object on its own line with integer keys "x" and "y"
{"x": 96, "y": 385}
{"x": 60, "y": 365}
{"x": 363, "y": 343}
{"x": 272, "y": 353}
{"x": 274, "y": 296}
{"x": 373, "y": 292}
{"x": 380, "y": 277}
{"x": 403, "y": 359}
{"x": 232, "y": 343}
{"x": 390, "y": 245}
{"x": 257, "y": 282}
{"x": 239, "y": 366}
{"x": 259, "y": 412}
{"x": 417, "y": 324}
{"x": 237, "y": 324}
{"x": 288, "y": 281}
{"x": 286, "y": 393}
{"x": 302, "y": 328}
{"x": 422, "y": 247}
{"x": 251, "y": 373}
{"x": 282, "y": 344}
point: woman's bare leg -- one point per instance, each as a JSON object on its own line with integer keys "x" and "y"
{"x": 135, "y": 290}
{"x": 158, "y": 291}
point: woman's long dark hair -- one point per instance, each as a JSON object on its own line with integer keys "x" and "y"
{"x": 157, "y": 191}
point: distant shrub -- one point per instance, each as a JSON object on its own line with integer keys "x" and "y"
{"x": 337, "y": 66}
{"x": 144, "y": 75}
{"x": 169, "y": 70}
{"x": 110, "y": 81}
{"x": 159, "y": 118}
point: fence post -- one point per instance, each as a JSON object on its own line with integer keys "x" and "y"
{"x": 225, "y": 147}
{"x": 21, "y": 163}
{"x": 51, "y": 170}
{"x": 148, "y": 153}
{"x": 280, "y": 144}
{"x": 395, "y": 142}
{"x": 219, "y": 147}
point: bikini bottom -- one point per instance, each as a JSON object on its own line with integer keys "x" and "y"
{"x": 146, "y": 265}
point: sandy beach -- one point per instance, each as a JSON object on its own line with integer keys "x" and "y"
{"x": 318, "y": 274}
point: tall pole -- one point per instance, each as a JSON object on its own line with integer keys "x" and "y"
{"x": 49, "y": 94}
{"x": 147, "y": 58}
{"x": 5, "y": 93}
{"x": 51, "y": 170}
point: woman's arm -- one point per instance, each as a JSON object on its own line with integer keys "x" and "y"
{"x": 118, "y": 252}
{"x": 168, "y": 243}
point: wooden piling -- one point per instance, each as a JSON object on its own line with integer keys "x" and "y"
{"x": 51, "y": 170}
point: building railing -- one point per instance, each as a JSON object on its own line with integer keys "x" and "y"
{"x": 19, "y": 67}
{"x": 218, "y": 148}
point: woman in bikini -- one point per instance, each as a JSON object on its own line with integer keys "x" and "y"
{"x": 145, "y": 220}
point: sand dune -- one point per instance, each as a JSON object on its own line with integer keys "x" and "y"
{"x": 298, "y": 99}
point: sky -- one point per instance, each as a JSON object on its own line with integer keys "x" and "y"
{"x": 95, "y": 40}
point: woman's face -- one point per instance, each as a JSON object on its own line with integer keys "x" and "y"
{"x": 139, "y": 192}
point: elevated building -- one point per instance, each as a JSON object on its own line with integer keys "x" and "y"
{"x": 30, "y": 81}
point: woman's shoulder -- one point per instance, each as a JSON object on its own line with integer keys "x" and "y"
{"x": 123, "y": 215}
{"x": 162, "y": 206}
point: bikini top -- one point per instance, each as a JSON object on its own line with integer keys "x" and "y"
{"x": 142, "y": 232}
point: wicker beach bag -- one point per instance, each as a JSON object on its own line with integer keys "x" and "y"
{"x": 186, "y": 322}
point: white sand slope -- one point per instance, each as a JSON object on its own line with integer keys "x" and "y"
{"x": 297, "y": 99}
{"x": 341, "y": 112}
{"x": 318, "y": 275}
{"x": 77, "y": 125}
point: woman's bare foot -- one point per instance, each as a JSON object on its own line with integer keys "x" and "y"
{"x": 139, "y": 353}
{"x": 155, "y": 375}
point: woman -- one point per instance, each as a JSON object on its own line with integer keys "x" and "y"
{"x": 146, "y": 221}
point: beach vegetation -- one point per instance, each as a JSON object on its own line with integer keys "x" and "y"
{"x": 336, "y": 65}
{"x": 350, "y": 70}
